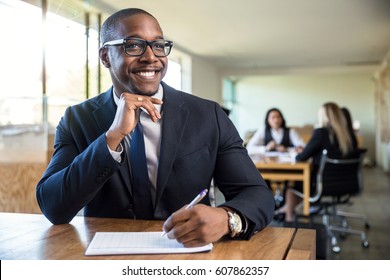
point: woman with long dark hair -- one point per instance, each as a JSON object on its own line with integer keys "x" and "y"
{"x": 274, "y": 135}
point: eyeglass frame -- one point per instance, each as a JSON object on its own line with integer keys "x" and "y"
{"x": 148, "y": 43}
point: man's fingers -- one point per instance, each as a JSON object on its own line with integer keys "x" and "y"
{"x": 145, "y": 103}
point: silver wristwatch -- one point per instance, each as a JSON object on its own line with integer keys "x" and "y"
{"x": 235, "y": 224}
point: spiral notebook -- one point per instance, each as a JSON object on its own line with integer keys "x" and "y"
{"x": 124, "y": 243}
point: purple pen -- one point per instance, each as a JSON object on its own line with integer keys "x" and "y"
{"x": 198, "y": 198}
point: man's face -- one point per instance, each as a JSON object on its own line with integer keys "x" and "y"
{"x": 137, "y": 74}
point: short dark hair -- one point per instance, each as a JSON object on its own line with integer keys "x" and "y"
{"x": 108, "y": 31}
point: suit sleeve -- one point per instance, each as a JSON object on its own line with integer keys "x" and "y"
{"x": 313, "y": 147}
{"x": 76, "y": 172}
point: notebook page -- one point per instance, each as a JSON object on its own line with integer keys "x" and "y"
{"x": 115, "y": 243}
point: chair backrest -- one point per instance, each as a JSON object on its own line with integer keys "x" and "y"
{"x": 339, "y": 177}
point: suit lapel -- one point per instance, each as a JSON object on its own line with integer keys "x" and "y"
{"x": 175, "y": 117}
{"x": 105, "y": 111}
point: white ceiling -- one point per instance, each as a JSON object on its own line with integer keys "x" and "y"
{"x": 272, "y": 34}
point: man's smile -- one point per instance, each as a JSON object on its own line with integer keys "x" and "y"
{"x": 147, "y": 73}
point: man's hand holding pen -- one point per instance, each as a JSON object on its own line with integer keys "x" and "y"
{"x": 197, "y": 226}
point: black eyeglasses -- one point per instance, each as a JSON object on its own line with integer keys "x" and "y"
{"x": 136, "y": 47}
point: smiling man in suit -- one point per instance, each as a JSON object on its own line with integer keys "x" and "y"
{"x": 183, "y": 142}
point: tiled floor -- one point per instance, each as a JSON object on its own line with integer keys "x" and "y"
{"x": 374, "y": 202}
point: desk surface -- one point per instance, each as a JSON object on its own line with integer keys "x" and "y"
{"x": 277, "y": 169}
{"x": 32, "y": 236}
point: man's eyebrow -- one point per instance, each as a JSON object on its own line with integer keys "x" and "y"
{"x": 136, "y": 36}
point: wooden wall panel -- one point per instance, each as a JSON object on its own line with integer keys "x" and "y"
{"x": 17, "y": 186}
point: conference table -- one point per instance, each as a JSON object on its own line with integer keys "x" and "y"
{"x": 277, "y": 166}
{"x": 33, "y": 237}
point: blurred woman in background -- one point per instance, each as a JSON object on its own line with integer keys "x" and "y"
{"x": 274, "y": 135}
{"x": 348, "y": 119}
{"x": 332, "y": 135}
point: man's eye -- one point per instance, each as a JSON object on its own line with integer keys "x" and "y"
{"x": 133, "y": 46}
{"x": 159, "y": 45}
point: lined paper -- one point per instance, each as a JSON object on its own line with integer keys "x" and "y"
{"x": 117, "y": 243}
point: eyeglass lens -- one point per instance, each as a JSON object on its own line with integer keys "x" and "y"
{"x": 138, "y": 47}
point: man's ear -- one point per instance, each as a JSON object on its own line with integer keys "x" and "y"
{"x": 103, "y": 54}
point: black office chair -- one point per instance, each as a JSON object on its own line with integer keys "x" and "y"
{"x": 337, "y": 181}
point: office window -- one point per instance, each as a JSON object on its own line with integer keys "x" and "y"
{"x": 21, "y": 135}
{"x": 179, "y": 71}
{"x": 20, "y": 73}
{"x": 65, "y": 65}
{"x": 73, "y": 71}
{"x": 229, "y": 97}
{"x": 173, "y": 75}
{"x": 50, "y": 62}
{"x": 44, "y": 70}
{"x": 98, "y": 77}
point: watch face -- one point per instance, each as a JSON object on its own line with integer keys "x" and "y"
{"x": 237, "y": 223}
{"x": 234, "y": 224}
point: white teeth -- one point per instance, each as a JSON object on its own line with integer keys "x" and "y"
{"x": 147, "y": 74}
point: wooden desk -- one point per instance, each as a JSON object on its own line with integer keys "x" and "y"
{"x": 287, "y": 171}
{"x": 32, "y": 236}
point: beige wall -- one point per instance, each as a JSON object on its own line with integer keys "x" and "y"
{"x": 205, "y": 80}
{"x": 299, "y": 96}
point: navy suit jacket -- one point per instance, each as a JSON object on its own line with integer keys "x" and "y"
{"x": 199, "y": 142}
